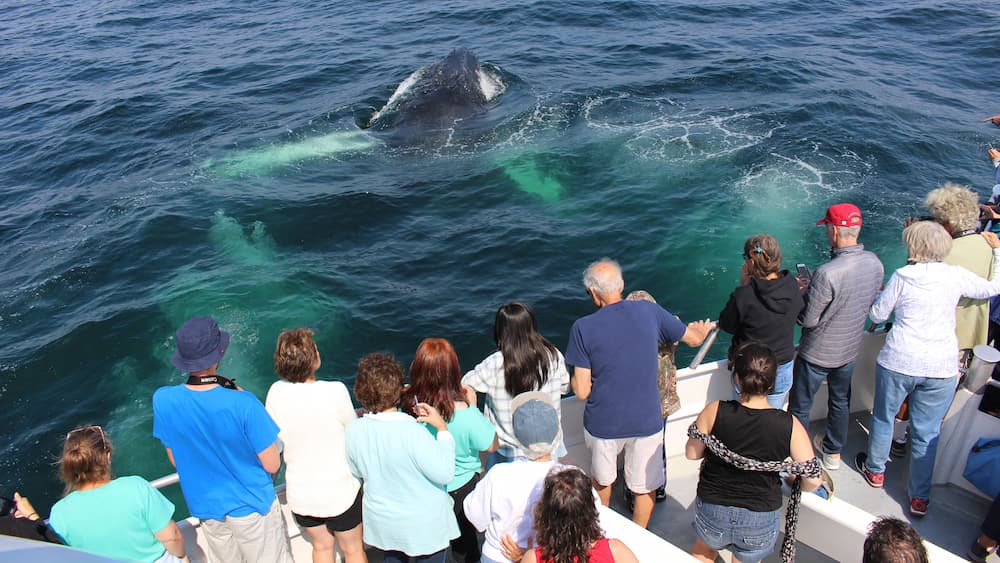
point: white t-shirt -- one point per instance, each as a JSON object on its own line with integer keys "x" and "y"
{"x": 503, "y": 502}
{"x": 312, "y": 417}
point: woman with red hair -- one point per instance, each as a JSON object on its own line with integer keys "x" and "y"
{"x": 436, "y": 379}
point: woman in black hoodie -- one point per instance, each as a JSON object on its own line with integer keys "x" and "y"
{"x": 765, "y": 307}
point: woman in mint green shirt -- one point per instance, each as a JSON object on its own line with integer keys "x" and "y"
{"x": 123, "y": 518}
{"x": 436, "y": 379}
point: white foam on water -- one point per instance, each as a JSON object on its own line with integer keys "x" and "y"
{"x": 542, "y": 119}
{"x": 809, "y": 178}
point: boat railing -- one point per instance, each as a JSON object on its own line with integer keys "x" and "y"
{"x": 166, "y": 481}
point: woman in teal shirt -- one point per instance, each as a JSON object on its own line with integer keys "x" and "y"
{"x": 125, "y": 518}
{"x": 436, "y": 379}
{"x": 406, "y": 512}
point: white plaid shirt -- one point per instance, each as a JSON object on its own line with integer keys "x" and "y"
{"x": 487, "y": 377}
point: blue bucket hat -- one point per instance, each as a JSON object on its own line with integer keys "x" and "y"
{"x": 535, "y": 422}
{"x": 200, "y": 345}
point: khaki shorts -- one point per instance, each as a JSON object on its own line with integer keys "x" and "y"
{"x": 645, "y": 470}
{"x": 261, "y": 538}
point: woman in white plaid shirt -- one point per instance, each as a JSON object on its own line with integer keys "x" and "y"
{"x": 525, "y": 361}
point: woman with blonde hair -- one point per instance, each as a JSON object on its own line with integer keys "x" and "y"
{"x": 765, "y": 308}
{"x": 323, "y": 495}
{"x": 123, "y": 518}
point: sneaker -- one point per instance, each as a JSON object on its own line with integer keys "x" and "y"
{"x": 829, "y": 461}
{"x": 918, "y": 507}
{"x": 874, "y": 479}
{"x": 979, "y": 553}
{"x": 661, "y": 494}
{"x": 897, "y": 449}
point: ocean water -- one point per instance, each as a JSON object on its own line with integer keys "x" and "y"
{"x": 164, "y": 160}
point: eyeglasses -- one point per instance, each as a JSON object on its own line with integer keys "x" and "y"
{"x": 104, "y": 438}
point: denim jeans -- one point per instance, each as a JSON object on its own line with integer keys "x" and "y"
{"x": 930, "y": 398}
{"x": 782, "y": 383}
{"x": 807, "y": 380}
{"x": 749, "y": 535}
{"x": 400, "y": 557}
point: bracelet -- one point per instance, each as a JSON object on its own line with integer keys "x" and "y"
{"x": 32, "y": 514}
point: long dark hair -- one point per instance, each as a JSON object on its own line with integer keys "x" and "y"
{"x": 755, "y": 369}
{"x": 435, "y": 377}
{"x": 526, "y": 353}
{"x": 566, "y": 521}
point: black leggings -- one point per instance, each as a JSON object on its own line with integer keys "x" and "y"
{"x": 465, "y": 547}
{"x": 991, "y": 525}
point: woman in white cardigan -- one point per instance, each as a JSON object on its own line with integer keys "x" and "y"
{"x": 920, "y": 356}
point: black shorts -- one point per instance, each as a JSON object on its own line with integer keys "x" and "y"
{"x": 348, "y": 520}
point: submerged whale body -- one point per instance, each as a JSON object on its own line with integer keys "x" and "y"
{"x": 426, "y": 108}
{"x": 437, "y": 96}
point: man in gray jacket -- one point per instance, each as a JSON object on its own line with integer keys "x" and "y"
{"x": 837, "y": 302}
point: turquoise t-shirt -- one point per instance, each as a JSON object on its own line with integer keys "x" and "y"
{"x": 117, "y": 520}
{"x": 473, "y": 434}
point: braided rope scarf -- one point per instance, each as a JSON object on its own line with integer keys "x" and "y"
{"x": 798, "y": 468}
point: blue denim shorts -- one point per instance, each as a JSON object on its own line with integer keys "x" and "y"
{"x": 749, "y": 535}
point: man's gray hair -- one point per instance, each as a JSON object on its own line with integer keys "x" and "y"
{"x": 604, "y": 277}
{"x": 848, "y": 232}
{"x": 956, "y": 205}
{"x": 926, "y": 241}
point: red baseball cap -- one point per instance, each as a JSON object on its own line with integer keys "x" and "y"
{"x": 842, "y": 215}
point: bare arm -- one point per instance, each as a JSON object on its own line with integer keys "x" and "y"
{"x": 802, "y": 451}
{"x": 695, "y": 448}
{"x": 23, "y": 508}
{"x": 621, "y": 552}
{"x": 581, "y": 382}
{"x": 170, "y": 456}
{"x": 495, "y": 445}
{"x": 172, "y": 540}
{"x": 529, "y": 557}
{"x": 270, "y": 458}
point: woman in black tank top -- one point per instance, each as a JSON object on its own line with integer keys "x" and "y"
{"x": 735, "y": 508}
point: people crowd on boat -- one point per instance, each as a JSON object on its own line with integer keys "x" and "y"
{"x": 406, "y": 476}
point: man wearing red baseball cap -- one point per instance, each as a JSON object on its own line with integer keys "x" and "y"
{"x": 842, "y": 215}
{"x": 837, "y": 302}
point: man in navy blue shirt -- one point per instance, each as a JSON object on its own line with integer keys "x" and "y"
{"x": 614, "y": 354}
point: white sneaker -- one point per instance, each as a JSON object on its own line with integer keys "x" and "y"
{"x": 830, "y": 461}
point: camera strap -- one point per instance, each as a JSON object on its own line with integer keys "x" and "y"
{"x": 212, "y": 380}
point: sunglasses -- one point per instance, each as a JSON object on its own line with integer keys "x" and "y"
{"x": 104, "y": 438}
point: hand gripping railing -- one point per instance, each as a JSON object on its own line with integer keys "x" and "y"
{"x": 705, "y": 346}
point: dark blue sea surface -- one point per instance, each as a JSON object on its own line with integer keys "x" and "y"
{"x": 162, "y": 160}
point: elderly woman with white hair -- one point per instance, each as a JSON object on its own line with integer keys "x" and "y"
{"x": 957, "y": 209}
{"x": 920, "y": 357}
